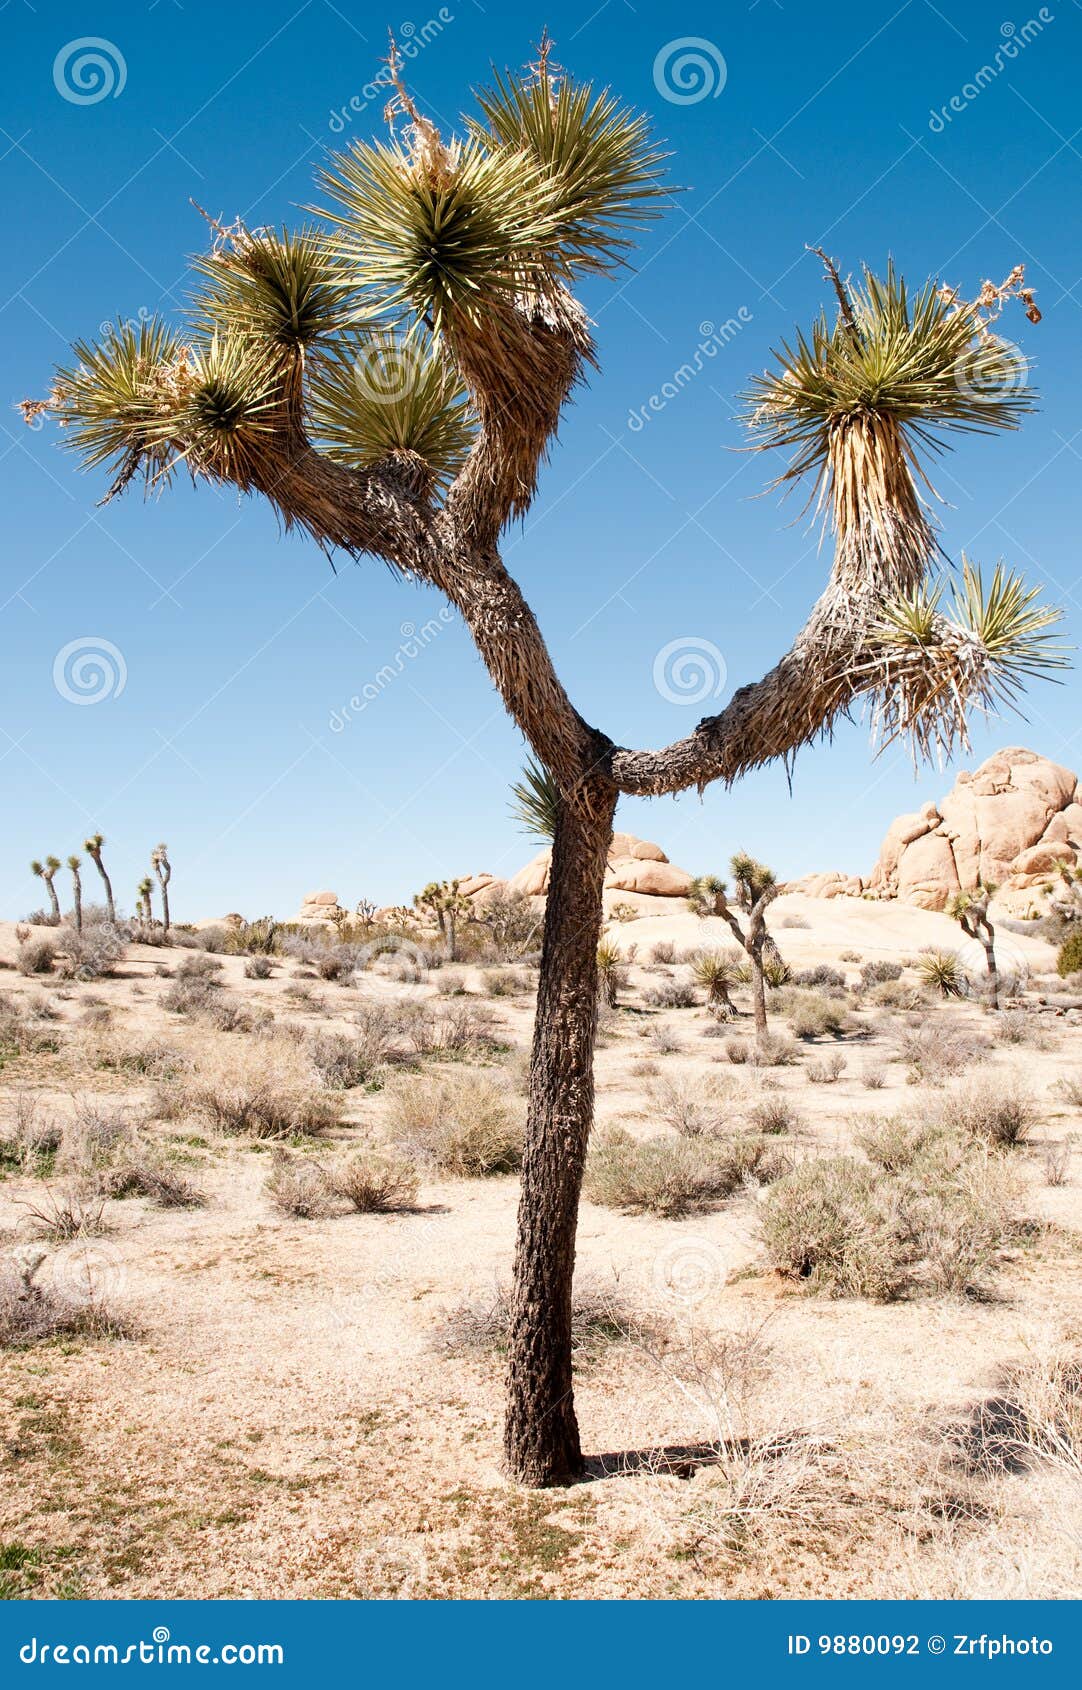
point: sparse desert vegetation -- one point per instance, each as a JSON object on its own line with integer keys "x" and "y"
{"x": 206, "y": 1171}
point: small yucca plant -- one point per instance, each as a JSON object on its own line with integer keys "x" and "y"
{"x": 717, "y": 973}
{"x": 942, "y": 972}
{"x": 536, "y": 802}
{"x": 611, "y": 973}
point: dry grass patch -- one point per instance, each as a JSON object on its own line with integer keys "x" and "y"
{"x": 462, "y": 1124}
{"x": 674, "y": 1176}
{"x": 269, "y": 1091}
{"x": 375, "y": 1182}
{"x": 33, "y": 1313}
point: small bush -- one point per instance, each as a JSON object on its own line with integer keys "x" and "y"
{"x": 663, "y": 952}
{"x": 776, "y": 1115}
{"x": 827, "y": 1070}
{"x": 189, "y": 995}
{"x": 462, "y": 1124}
{"x": 506, "y": 982}
{"x": 776, "y": 1050}
{"x": 693, "y": 1108}
{"x": 375, "y": 1182}
{"x": 794, "y": 921}
{"x": 935, "y": 1053}
{"x": 199, "y": 966}
{"x": 36, "y": 955}
{"x": 821, "y": 975}
{"x": 64, "y": 1215}
{"x": 31, "y": 1313}
{"x": 873, "y": 1078}
{"x": 344, "y": 1062}
{"x": 813, "y": 1016}
{"x": 895, "y": 1144}
{"x": 258, "y": 968}
{"x": 673, "y": 1176}
{"x": 94, "y": 953}
{"x": 879, "y": 972}
{"x": 146, "y": 1174}
{"x": 670, "y": 994}
{"x": 999, "y": 1112}
{"x": 895, "y": 994}
{"x": 298, "y": 1187}
{"x": 1069, "y": 960}
{"x": 853, "y": 1230}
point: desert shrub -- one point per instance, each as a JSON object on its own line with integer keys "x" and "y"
{"x": 1070, "y": 1089}
{"x": 694, "y": 1108}
{"x": 147, "y": 1174}
{"x": 66, "y": 1213}
{"x": 873, "y": 1077}
{"x": 506, "y": 982}
{"x": 258, "y": 968}
{"x": 375, "y": 1181}
{"x": 826, "y": 1070}
{"x": 879, "y": 972}
{"x": 942, "y": 972}
{"x": 512, "y": 924}
{"x": 663, "y": 952}
{"x": 775, "y": 1050}
{"x": 895, "y": 994}
{"x": 934, "y": 1052}
{"x": 114, "y": 1051}
{"x": 811, "y": 1015}
{"x": 338, "y": 965}
{"x": 462, "y": 1124}
{"x": 673, "y": 1176}
{"x": 1069, "y": 960}
{"x": 854, "y": 1230}
{"x": 36, "y": 954}
{"x": 794, "y": 921}
{"x": 298, "y": 1187}
{"x": 199, "y": 966}
{"x": 267, "y": 1090}
{"x": 895, "y": 1143}
{"x": 850, "y": 956}
{"x": 821, "y": 975}
{"x": 190, "y": 995}
{"x": 344, "y": 1062}
{"x": 1057, "y": 1160}
{"x": 663, "y": 1041}
{"x": 94, "y": 953}
{"x": 32, "y": 1313}
{"x": 999, "y": 1111}
{"x": 775, "y": 1115}
{"x": 96, "y": 1135}
{"x": 670, "y": 994}
{"x": 777, "y": 973}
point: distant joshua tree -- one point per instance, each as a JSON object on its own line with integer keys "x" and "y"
{"x": 443, "y": 899}
{"x": 970, "y": 911}
{"x": 76, "y": 892}
{"x": 159, "y": 859}
{"x": 92, "y": 847}
{"x": 142, "y": 901}
{"x": 756, "y": 889}
{"x": 45, "y": 871}
{"x": 391, "y": 379}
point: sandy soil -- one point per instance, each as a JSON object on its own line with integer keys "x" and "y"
{"x": 284, "y": 1421}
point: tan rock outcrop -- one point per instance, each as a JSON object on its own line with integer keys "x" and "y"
{"x": 1005, "y": 824}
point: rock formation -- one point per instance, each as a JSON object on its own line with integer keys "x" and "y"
{"x": 637, "y": 870}
{"x": 1007, "y": 824}
{"x": 320, "y": 908}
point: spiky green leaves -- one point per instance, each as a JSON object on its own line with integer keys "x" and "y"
{"x": 284, "y": 289}
{"x": 433, "y": 239}
{"x": 536, "y": 801}
{"x": 930, "y": 667}
{"x": 388, "y": 394}
{"x": 924, "y": 360}
{"x": 111, "y": 400}
{"x": 597, "y": 156}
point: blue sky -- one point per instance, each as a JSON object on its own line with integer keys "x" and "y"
{"x": 238, "y": 647}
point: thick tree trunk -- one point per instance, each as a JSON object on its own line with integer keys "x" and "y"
{"x": 758, "y": 993}
{"x": 53, "y": 899}
{"x": 541, "y": 1436}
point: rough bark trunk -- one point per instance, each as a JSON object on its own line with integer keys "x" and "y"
{"x": 758, "y": 993}
{"x": 110, "y": 906}
{"x": 988, "y": 940}
{"x": 541, "y": 1435}
{"x": 53, "y": 899}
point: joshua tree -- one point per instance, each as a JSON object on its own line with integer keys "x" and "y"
{"x": 446, "y": 903}
{"x": 159, "y": 860}
{"x": 142, "y": 901}
{"x": 92, "y": 847}
{"x": 76, "y": 892}
{"x": 45, "y": 871}
{"x": 756, "y": 889}
{"x": 970, "y": 910}
{"x": 705, "y": 895}
{"x": 365, "y": 911}
{"x": 391, "y": 382}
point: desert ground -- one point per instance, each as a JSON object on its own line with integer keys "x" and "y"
{"x": 224, "y": 1378}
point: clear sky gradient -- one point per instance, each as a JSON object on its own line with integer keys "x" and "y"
{"x": 239, "y": 647}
